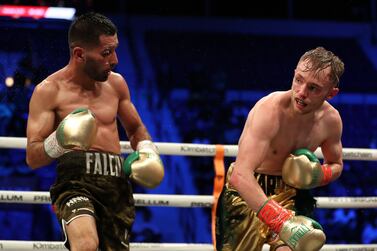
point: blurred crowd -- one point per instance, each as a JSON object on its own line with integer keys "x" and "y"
{"x": 202, "y": 80}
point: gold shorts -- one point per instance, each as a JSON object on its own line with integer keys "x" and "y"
{"x": 238, "y": 227}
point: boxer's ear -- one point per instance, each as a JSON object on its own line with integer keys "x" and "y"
{"x": 78, "y": 53}
{"x": 332, "y": 93}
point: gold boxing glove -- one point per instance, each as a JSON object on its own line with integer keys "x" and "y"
{"x": 303, "y": 170}
{"x": 300, "y": 233}
{"x": 144, "y": 166}
{"x": 78, "y": 129}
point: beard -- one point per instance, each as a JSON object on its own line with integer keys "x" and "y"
{"x": 92, "y": 69}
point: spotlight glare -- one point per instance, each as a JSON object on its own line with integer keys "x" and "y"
{"x": 9, "y": 81}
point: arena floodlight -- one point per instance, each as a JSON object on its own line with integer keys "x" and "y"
{"x": 37, "y": 12}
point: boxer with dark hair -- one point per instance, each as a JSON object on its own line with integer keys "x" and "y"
{"x": 73, "y": 119}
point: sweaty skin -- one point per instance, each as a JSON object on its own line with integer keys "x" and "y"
{"x": 68, "y": 89}
{"x": 86, "y": 82}
{"x": 282, "y": 122}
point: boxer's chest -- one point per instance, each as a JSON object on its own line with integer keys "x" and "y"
{"x": 103, "y": 104}
{"x": 293, "y": 136}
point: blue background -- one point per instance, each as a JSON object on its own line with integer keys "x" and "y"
{"x": 195, "y": 69}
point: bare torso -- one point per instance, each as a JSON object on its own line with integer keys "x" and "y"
{"x": 293, "y": 131}
{"x": 102, "y": 100}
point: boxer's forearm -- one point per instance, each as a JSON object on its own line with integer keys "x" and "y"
{"x": 249, "y": 189}
{"x": 36, "y": 155}
{"x": 136, "y": 135}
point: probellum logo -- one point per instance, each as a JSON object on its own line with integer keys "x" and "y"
{"x": 201, "y": 204}
{"x": 41, "y": 198}
{"x": 11, "y": 198}
{"x": 141, "y": 202}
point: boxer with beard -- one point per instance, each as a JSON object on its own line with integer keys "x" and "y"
{"x": 73, "y": 119}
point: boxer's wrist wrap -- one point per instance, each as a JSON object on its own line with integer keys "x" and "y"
{"x": 273, "y": 215}
{"x": 147, "y": 144}
{"x": 327, "y": 174}
{"x": 52, "y": 147}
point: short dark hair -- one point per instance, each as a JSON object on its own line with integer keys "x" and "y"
{"x": 320, "y": 59}
{"x": 86, "y": 29}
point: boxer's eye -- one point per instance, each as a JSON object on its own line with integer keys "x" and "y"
{"x": 298, "y": 80}
{"x": 314, "y": 88}
{"x": 106, "y": 53}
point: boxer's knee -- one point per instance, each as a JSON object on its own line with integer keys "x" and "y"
{"x": 85, "y": 242}
{"x": 82, "y": 234}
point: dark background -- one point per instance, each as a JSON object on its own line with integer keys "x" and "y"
{"x": 195, "y": 69}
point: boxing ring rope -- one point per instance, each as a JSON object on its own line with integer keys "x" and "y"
{"x": 173, "y": 200}
{"x": 37, "y": 197}
{"x": 187, "y": 149}
{"x": 59, "y": 246}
